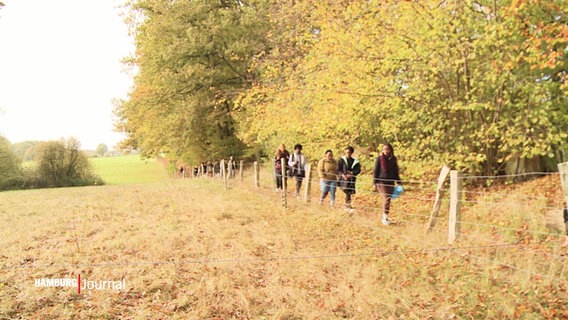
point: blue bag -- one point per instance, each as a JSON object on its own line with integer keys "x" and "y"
{"x": 397, "y": 191}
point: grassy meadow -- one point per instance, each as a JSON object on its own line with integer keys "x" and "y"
{"x": 128, "y": 169}
{"x": 189, "y": 249}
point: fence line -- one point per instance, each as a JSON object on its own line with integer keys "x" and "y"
{"x": 396, "y": 212}
{"x": 511, "y": 175}
{"x": 505, "y": 195}
{"x": 517, "y": 202}
{"x": 444, "y": 218}
{"x": 512, "y": 229}
{"x": 531, "y": 273}
{"x": 526, "y": 248}
{"x": 419, "y": 186}
{"x": 434, "y": 182}
{"x": 500, "y": 244}
{"x": 366, "y": 208}
{"x": 419, "y": 183}
{"x": 486, "y": 239}
{"x": 391, "y": 231}
{"x": 257, "y": 259}
{"x": 365, "y": 191}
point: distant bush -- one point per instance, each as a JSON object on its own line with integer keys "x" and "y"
{"x": 59, "y": 164}
{"x": 62, "y": 164}
{"x": 10, "y": 164}
{"x": 27, "y": 179}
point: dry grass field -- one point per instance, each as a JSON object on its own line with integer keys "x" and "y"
{"x": 189, "y": 249}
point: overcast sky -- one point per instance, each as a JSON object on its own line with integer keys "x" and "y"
{"x": 60, "y": 69}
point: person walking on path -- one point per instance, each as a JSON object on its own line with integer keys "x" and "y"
{"x": 348, "y": 168}
{"x": 281, "y": 153}
{"x": 297, "y": 165}
{"x": 231, "y": 167}
{"x": 327, "y": 171}
{"x": 385, "y": 174}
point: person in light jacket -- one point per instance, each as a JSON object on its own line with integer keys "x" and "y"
{"x": 297, "y": 166}
{"x": 327, "y": 171}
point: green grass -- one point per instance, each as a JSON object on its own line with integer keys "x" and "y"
{"x": 128, "y": 170}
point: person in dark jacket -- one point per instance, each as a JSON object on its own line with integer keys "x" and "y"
{"x": 348, "y": 169}
{"x": 281, "y": 153}
{"x": 385, "y": 175}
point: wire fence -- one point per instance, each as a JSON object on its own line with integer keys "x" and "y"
{"x": 415, "y": 190}
{"x": 413, "y": 209}
{"x": 378, "y": 253}
{"x": 488, "y": 199}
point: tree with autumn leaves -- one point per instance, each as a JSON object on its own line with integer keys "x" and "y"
{"x": 193, "y": 60}
{"x": 474, "y": 84}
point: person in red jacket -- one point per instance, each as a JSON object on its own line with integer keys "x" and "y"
{"x": 385, "y": 175}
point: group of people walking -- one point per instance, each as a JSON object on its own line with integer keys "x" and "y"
{"x": 295, "y": 166}
{"x": 216, "y": 168}
{"x": 342, "y": 173}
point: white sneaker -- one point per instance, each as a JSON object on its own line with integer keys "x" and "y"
{"x": 385, "y": 220}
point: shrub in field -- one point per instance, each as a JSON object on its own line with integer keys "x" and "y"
{"x": 62, "y": 164}
{"x": 9, "y": 164}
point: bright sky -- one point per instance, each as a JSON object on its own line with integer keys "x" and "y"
{"x": 60, "y": 69}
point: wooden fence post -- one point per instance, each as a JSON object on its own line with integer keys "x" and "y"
{"x": 438, "y": 202}
{"x": 223, "y": 172}
{"x": 307, "y": 182}
{"x": 256, "y": 175}
{"x": 563, "y": 169}
{"x": 456, "y": 191}
{"x": 274, "y": 175}
{"x": 241, "y": 164}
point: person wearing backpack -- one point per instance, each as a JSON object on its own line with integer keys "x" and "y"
{"x": 297, "y": 167}
{"x": 348, "y": 168}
